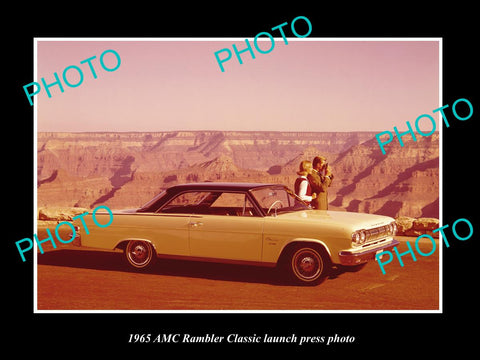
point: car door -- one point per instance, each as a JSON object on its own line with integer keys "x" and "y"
{"x": 171, "y": 224}
{"x": 228, "y": 228}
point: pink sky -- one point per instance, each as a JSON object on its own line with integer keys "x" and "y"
{"x": 313, "y": 85}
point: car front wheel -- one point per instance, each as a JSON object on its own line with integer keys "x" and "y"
{"x": 307, "y": 265}
{"x": 139, "y": 254}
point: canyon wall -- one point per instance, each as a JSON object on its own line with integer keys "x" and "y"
{"x": 126, "y": 169}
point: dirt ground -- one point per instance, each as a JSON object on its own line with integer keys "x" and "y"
{"x": 78, "y": 279}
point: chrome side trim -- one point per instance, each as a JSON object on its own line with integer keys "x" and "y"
{"x": 216, "y": 260}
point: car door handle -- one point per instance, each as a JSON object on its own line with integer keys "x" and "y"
{"x": 195, "y": 224}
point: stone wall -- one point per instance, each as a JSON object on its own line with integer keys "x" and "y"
{"x": 409, "y": 226}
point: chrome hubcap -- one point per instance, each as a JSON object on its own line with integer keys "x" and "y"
{"x": 307, "y": 264}
{"x": 139, "y": 253}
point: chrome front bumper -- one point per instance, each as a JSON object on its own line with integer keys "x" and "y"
{"x": 357, "y": 256}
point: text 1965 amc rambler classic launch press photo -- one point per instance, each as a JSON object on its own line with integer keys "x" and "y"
{"x": 244, "y": 223}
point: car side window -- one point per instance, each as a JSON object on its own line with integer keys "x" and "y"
{"x": 186, "y": 203}
{"x": 210, "y": 203}
{"x": 232, "y": 204}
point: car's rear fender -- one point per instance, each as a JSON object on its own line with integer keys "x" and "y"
{"x": 122, "y": 244}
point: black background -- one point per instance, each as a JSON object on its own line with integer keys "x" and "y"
{"x": 382, "y": 335}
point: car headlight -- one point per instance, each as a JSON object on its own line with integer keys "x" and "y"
{"x": 359, "y": 237}
{"x": 392, "y": 228}
{"x": 356, "y": 237}
{"x": 363, "y": 237}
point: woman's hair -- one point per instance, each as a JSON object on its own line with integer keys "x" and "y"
{"x": 303, "y": 167}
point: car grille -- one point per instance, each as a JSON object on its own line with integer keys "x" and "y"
{"x": 372, "y": 235}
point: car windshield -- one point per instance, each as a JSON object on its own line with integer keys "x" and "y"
{"x": 277, "y": 199}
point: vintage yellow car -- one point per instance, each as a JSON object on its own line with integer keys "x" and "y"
{"x": 243, "y": 223}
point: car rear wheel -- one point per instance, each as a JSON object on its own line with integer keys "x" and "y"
{"x": 307, "y": 264}
{"x": 139, "y": 254}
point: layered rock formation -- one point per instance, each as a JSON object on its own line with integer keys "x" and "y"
{"x": 127, "y": 169}
{"x": 408, "y": 226}
{"x": 405, "y": 181}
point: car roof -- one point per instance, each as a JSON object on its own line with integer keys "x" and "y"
{"x": 210, "y": 185}
{"x": 202, "y": 186}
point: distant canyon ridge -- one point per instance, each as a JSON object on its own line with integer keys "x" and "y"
{"x": 126, "y": 169}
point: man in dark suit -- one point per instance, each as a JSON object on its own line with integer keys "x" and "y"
{"x": 320, "y": 179}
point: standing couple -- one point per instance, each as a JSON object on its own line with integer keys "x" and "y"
{"x": 313, "y": 181}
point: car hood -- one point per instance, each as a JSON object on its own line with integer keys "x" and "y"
{"x": 345, "y": 219}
